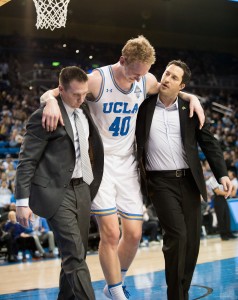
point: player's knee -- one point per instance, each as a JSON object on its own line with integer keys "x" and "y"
{"x": 110, "y": 236}
{"x": 133, "y": 237}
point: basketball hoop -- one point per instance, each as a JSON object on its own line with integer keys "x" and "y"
{"x": 51, "y": 13}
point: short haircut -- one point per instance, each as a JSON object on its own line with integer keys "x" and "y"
{"x": 139, "y": 49}
{"x": 186, "y": 71}
{"x": 71, "y": 73}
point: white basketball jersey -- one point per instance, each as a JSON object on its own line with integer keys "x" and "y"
{"x": 115, "y": 112}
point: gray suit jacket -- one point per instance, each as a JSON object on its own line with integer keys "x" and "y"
{"x": 191, "y": 137}
{"x": 47, "y": 160}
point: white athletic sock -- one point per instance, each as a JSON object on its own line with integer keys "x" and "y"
{"x": 123, "y": 275}
{"x": 116, "y": 291}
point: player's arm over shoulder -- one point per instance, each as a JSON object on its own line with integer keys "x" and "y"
{"x": 49, "y": 95}
{"x": 152, "y": 84}
{"x": 94, "y": 85}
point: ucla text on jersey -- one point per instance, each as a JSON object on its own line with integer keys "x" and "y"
{"x": 115, "y": 111}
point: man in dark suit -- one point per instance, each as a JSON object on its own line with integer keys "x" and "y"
{"x": 167, "y": 150}
{"x": 50, "y": 181}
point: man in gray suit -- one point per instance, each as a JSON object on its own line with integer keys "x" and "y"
{"x": 167, "y": 141}
{"x": 50, "y": 181}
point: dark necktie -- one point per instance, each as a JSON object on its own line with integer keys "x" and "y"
{"x": 85, "y": 161}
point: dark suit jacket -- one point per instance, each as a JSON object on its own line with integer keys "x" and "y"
{"x": 47, "y": 160}
{"x": 191, "y": 135}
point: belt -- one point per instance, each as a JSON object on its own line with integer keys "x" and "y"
{"x": 76, "y": 181}
{"x": 170, "y": 174}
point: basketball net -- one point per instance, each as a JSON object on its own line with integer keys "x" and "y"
{"x": 51, "y": 13}
{"x": 2, "y": 2}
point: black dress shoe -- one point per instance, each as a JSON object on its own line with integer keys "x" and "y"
{"x": 48, "y": 255}
{"x": 12, "y": 259}
{"x": 36, "y": 256}
{"x": 225, "y": 238}
{"x": 232, "y": 236}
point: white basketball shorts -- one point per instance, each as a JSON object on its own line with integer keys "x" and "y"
{"x": 120, "y": 190}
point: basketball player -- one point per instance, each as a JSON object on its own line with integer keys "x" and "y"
{"x": 116, "y": 92}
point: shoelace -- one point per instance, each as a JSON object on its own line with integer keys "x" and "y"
{"x": 127, "y": 294}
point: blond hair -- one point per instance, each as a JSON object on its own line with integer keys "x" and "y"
{"x": 139, "y": 49}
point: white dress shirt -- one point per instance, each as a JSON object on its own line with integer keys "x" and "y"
{"x": 164, "y": 148}
{"x": 212, "y": 182}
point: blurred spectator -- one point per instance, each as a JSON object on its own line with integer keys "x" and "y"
{"x": 94, "y": 236}
{"x": 150, "y": 227}
{"x": 18, "y": 112}
{"x": 5, "y": 112}
{"x": 233, "y": 177}
{"x": 4, "y": 70}
{"x": 42, "y": 233}
{"x": 10, "y": 172}
{"x": 24, "y": 239}
{"x": 5, "y": 125}
{"x": 4, "y": 215}
{"x": 10, "y": 176}
{"x": 228, "y": 159}
{"x": 5, "y": 196}
{"x": 7, "y": 161}
{"x": 209, "y": 219}
{"x": 222, "y": 210}
{"x": 20, "y": 240}
{"x": 6, "y": 240}
{"x": 15, "y": 138}
{"x": 2, "y": 168}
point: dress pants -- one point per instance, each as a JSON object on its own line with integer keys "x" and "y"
{"x": 178, "y": 207}
{"x": 70, "y": 225}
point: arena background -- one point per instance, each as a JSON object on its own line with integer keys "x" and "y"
{"x": 203, "y": 33}
{"x": 189, "y": 24}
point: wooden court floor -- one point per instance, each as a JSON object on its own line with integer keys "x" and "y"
{"x": 216, "y": 275}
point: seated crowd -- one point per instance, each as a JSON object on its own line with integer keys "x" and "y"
{"x": 18, "y": 238}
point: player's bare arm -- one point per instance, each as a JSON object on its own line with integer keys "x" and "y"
{"x": 49, "y": 95}
{"x": 51, "y": 113}
{"x": 152, "y": 84}
{"x": 152, "y": 87}
{"x": 194, "y": 106}
{"x": 94, "y": 85}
